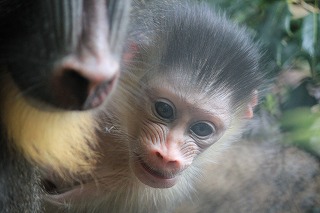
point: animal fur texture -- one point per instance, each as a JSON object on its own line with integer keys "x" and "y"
{"x": 58, "y": 60}
{"x": 214, "y": 59}
{"x": 259, "y": 176}
{"x": 56, "y": 138}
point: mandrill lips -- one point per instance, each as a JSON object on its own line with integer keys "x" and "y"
{"x": 154, "y": 177}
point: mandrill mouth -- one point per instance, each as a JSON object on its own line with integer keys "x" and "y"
{"x": 154, "y": 172}
{"x": 152, "y": 177}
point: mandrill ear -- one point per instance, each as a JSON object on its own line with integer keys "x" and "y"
{"x": 250, "y": 106}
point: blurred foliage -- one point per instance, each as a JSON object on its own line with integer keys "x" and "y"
{"x": 301, "y": 127}
{"x": 289, "y": 31}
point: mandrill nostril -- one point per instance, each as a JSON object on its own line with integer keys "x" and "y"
{"x": 83, "y": 84}
{"x": 159, "y": 155}
{"x": 77, "y": 84}
{"x": 70, "y": 89}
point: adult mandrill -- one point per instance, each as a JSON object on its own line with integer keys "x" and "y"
{"x": 59, "y": 61}
{"x": 187, "y": 92}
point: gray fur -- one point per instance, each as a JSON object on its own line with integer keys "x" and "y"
{"x": 20, "y": 188}
{"x": 261, "y": 177}
{"x": 208, "y": 50}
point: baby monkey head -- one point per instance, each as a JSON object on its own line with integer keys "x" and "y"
{"x": 175, "y": 126}
{"x": 197, "y": 76}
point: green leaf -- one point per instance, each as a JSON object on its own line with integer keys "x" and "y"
{"x": 311, "y": 42}
{"x": 298, "y": 118}
{"x": 308, "y": 40}
{"x": 301, "y": 127}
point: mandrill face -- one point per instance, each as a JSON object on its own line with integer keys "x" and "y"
{"x": 172, "y": 131}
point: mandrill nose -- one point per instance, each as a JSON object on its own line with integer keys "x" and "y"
{"x": 84, "y": 83}
{"x": 84, "y": 78}
{"x": 168, "y": 160}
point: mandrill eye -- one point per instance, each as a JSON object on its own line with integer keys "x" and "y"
{"x": 164, "y": 110}
{"x": 202, "y": 129}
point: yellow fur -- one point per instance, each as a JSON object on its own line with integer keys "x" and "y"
{"x": 61, "y": 140}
